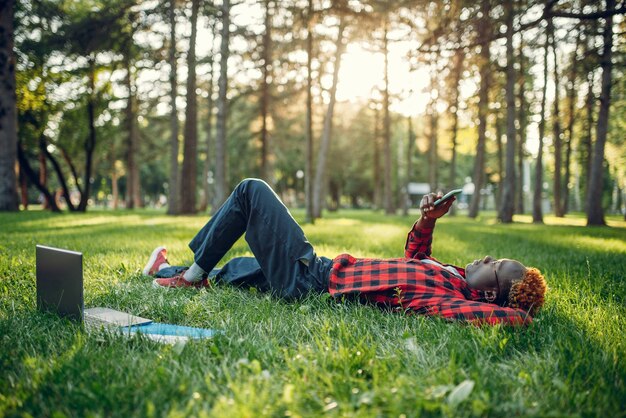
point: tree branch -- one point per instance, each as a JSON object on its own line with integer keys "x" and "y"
{"x": 57, "y": 169}
{"x": 34, "y": 179}
{"x": 70, "y": 164}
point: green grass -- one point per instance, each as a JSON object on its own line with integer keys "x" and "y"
{"x": 314, "y": 357}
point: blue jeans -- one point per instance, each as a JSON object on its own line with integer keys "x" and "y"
{"x": 284, "y": 262}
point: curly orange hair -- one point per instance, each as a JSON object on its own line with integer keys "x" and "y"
{"x": 529, "y": 293}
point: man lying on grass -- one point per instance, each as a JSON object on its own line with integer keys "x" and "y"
{"x": 285, "y": 264}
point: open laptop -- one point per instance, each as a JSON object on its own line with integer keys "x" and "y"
{"x": 60, "y": 281}
{"x": 60, "y": 289}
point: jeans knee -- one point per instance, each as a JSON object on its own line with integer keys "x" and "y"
{"x": 251, "y": 184}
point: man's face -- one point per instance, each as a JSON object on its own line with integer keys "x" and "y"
{"x": 494, "y": 277}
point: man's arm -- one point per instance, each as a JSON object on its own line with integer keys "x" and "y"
{"x": 420, "y": 237}
{"x": 478, "y": 312}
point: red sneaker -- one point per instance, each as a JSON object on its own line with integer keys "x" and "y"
{"x": 179, "y": 281}
{"x": 157, "y": 258}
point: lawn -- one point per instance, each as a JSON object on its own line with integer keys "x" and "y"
{"x": 314, "y": 357}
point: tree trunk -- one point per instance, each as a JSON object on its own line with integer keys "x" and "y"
{"x": 406, "y": 204}
{"x": 523, "y": 124}
{"x": 433, "y": 120}
{"x": 190, "y": 148}
{"x": 378, "y": 178}
{"x": 72, "y": 168}
{"x": 308, "y": 168}
{"x": 500, "y": 157}
{"x": 556, "y": 129}
{"x": 595, "y": 213}
{"x": 538, "y": 189}
{"x": 389, "y": 206}
{"x": 222, "y": 110}
{"x": 457, "y": 73}
{"x": 23, "y": 187}
{"x": 265, "y": 93}
{"x": 508, "y": 193}
{"x": 133, "y": 198}
{"x": 115, "y": 193}
{"x": 320, "y": 171}
{"x": 587, "y": 138}
{"x": 572, "y": 96}
{"x": 8, "y": 111}
{"x": 90, "y": 141}
{"x": 43, "y": 177}
{"x": 483, "y": 110}
{"x": 206, "y": 186}
{"x": 173, "y": 199}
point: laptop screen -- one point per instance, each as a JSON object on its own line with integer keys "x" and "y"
{"x": 60, "y": 281}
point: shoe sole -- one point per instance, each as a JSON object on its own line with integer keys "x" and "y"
{"x": 151, "y": 261}
{"x": 156, "y": 285}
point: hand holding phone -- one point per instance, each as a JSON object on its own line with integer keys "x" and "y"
{"x": 448, "y": 196}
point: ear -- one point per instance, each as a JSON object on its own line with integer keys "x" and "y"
{"x": 490, "y": 295}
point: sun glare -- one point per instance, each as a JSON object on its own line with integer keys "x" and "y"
{"x": 361, "y": 78}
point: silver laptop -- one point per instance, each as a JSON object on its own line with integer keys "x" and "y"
{"x": 60, "y": 289}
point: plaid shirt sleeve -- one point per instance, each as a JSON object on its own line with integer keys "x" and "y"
{"x": 478, "y": 312}
{"x": 419, "y": 241}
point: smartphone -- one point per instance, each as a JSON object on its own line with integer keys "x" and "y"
{"x": 448, "y": 196}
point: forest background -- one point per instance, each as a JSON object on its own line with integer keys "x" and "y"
{"x": 127, "y": 103}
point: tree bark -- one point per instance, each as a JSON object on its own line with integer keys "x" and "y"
{"x": 508, "y": 193}
{"x": 173, "y": 200}
{"x": 190, "y": 148}
{"x": 320, "y": 171}
{"x": 538, "y": 188}
{"x": 483, "y": 110}
{"x": 8, "y": 111}
{"x": 222, "y": 110}
{"x": 595, "y": 213}
{"x": 308, "y": 168}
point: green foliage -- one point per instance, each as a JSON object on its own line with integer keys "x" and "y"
{"x": 314, "y": 356}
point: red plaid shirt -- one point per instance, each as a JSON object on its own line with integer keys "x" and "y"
{"x": 410, "y": 284}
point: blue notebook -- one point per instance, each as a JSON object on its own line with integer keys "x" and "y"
{"x": 169, "y": 330}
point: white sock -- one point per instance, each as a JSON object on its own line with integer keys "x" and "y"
{"x": 194, "y": 274}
